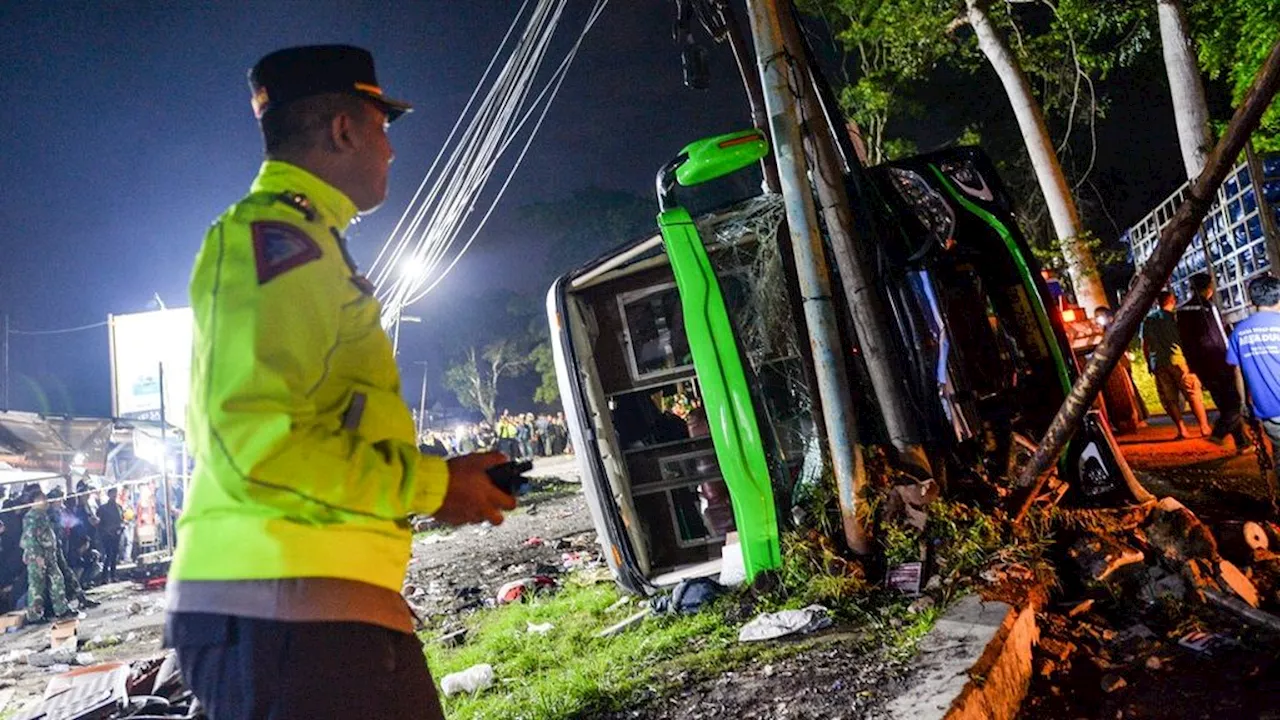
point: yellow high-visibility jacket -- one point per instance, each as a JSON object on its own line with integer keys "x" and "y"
{"x": 306, "y": 461}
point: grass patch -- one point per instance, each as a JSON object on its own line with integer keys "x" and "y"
{"x": 569, "y": 671}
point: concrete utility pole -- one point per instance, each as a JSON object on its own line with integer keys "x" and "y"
{"x": 853, "y": 258}
{"x": 6, "y": 363}
{"x": 422, "y": 400}
{"x": 779, "y": 77}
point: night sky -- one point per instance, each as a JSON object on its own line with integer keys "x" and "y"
{"x": 127, "y": 129}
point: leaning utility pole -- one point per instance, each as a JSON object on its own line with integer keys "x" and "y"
{"x": 853, "y": 259}
{"x": 779, "y": 76}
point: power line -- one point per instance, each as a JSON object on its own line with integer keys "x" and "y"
{"x": 507, "y": 116}
{"x": 58, "y": 331}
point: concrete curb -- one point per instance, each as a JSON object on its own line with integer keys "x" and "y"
{"x": 975, "y": 664}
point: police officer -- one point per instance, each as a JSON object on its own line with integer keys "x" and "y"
{"x": 284, "y": 593}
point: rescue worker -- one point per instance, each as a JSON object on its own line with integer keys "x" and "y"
{"x": 284, "y": 594}
{"x": 40, "y": 553}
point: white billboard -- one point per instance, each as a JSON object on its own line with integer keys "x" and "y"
{"x": 140, "y": 344}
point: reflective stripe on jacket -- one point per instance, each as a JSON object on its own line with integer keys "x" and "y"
{"x": 306, "y": 461}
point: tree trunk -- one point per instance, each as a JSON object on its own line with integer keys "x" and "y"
{"x": 1081, "y": 267}
{"x": 1174, "y": 240}
{"x": 1185, "y": 86}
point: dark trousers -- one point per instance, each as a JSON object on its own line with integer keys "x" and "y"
{"x": 247, "y": 669}
{"x": 1222, "y": 388}
{"x": 110, "y": 554}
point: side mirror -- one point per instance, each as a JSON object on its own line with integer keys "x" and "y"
{"x": 708, "y": 159}
{"x": 715, "y": 157}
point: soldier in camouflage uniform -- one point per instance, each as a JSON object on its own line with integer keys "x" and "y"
{"x": 40, "y": 553}
{"x": 70, "y": 582}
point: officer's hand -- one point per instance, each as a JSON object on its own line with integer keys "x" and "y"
{"x": 472, "y": 497}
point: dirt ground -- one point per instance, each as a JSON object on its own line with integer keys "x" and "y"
{"x": 834, "y": 678}
{"x": 1123, "y": 659}
{"x": 126, "y": 626}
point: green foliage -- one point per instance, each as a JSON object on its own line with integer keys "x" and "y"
{"x": 544, "y": 364}
{"x": 1234, "y": 38}
{"x": 892, "y": 44}
{"x": 475, "y": 376}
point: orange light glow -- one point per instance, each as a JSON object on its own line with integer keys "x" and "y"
{"x": 1068, "y": 315}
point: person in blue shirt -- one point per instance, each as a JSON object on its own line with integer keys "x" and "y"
{"x": 1254, "y": 350}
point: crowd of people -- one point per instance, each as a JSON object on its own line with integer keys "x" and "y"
{"x": 53, "y": 547}
{"x": 522, "y": 436}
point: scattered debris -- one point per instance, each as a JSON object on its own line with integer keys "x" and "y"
{"x": 770, "y": 626}
{"x": 453, "y": 639}
{"x": 1081, "y": 608}
{"x": 905, "y": 578}
{"x": 1178, "y": 534}
{"x": 539, "y": 628}
{"x": 516, "y": 590}
{"x": 534, "y": 541}
{"x": 1099, "y": 556}
{"x": 472, "y": 680}
{"x": 12, "y": 621}
{"x": 1112, "y": 682}
{"x": 1203, "y": 642}
{"x": 689, "y": 596}
{"x": 619, "y": 627}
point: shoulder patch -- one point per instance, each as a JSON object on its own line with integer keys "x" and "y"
{"x": 280, "y": 247}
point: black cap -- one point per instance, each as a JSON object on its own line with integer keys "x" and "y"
{"x": 299, "y": 72}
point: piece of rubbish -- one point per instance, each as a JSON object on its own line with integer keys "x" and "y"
{"x": 905, "y": 578}
{"x": 1112, "y": 682}
{"x": 688, "y": 597}
{"x": 1154, "y": 663}
{"x": 769, "y": 626}
{"x": 1059, "y": 650}
{"x": 1203, "y": 642}
{"x": 84, "y": 658}
{"x": 623, "y": 601}
{"x": 12, "y": 621}
{"x": 1242, "y": 586}
{"x": 573, "y": 560}
{"x": 538, "y": 628}
{"x": 472, "y": 680}
{"x": 1099, "y": 556}
{"x": 62, "y": 634}
{"x": 1081, "y": 608}
{"x": 534, "y": 541}
{"x": 619, "y": 627}
{"x": 517, "y": 589}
